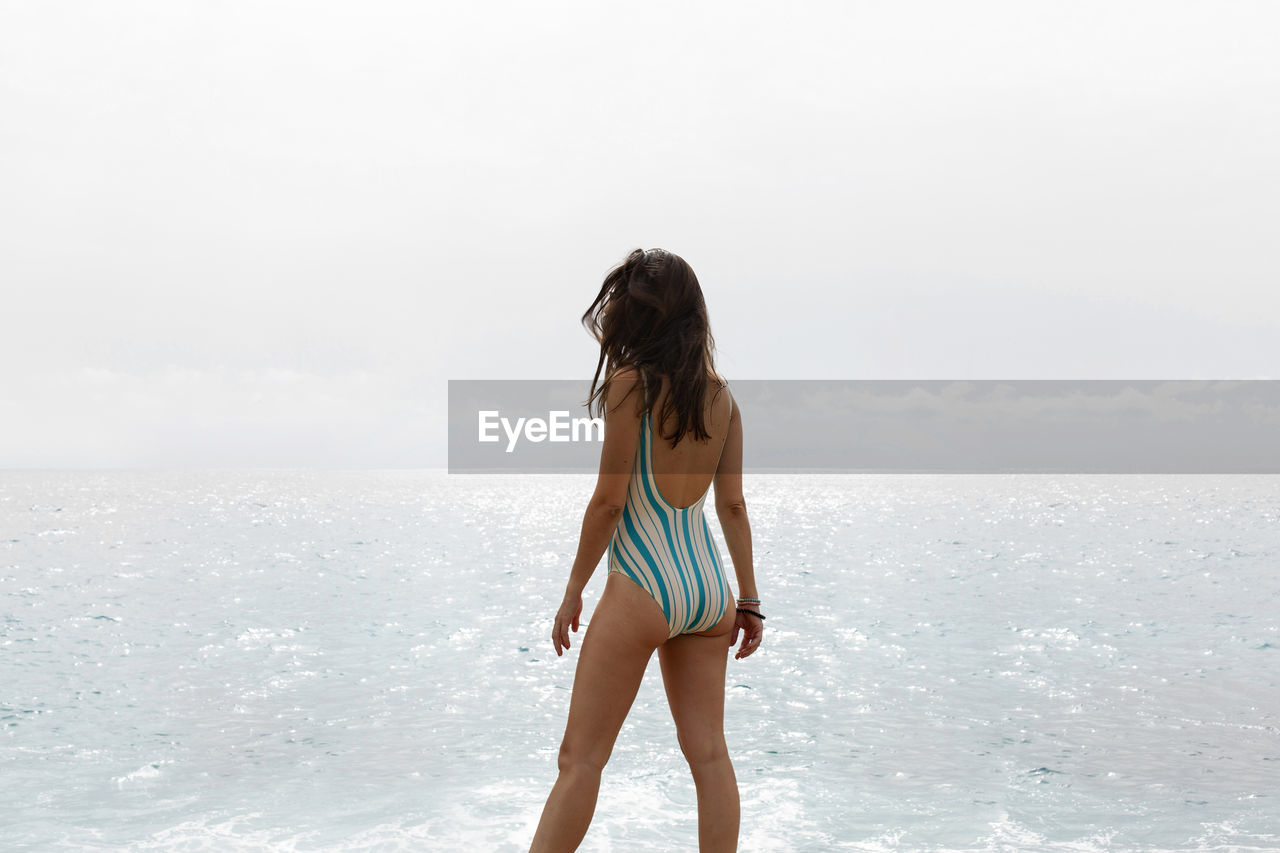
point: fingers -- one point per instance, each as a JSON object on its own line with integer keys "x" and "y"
{"x": 750, "y": 642}
{"x": 559, "y": 637}
{"x": 560, "y": 632}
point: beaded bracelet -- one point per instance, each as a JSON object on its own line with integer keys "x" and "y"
{"x": 750, "y": 600}
{"x": 752, "y": 612}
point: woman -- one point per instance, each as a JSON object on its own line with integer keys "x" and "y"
{"x": 669, "y": 434}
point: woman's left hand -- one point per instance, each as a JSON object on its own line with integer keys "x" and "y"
{"x": 570, "y": 610}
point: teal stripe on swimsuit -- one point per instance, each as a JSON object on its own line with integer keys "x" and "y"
{"x": 668, "y": 550}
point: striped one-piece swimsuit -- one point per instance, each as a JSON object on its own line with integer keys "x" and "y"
{"x": 669, "y": 550}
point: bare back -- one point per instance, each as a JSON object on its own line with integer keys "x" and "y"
{"x": 684, "y": 473}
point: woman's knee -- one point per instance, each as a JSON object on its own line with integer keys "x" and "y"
{"x": 703, "y": 749}
{"x": 576, "y": 756}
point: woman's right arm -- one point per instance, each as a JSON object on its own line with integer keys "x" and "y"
{"x": 731, "y": 507}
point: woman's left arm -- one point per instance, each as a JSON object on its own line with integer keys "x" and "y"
{"x": 617, "y": 457}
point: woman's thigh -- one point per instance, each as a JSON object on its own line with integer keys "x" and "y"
{"x": 693, "y": 673}
{"x": 625, "y": 628}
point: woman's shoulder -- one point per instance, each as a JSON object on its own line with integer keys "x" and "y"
{"x": 720, "y": 384}
{"x": 627, "y": 373}
{"x": 625, "y": 379}
{"x": 622, "y": 383}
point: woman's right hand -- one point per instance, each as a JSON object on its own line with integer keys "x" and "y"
{"x": 566, "y": 617}
{"x": 752, "y": 628}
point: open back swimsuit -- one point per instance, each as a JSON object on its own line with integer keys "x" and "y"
{"x": 668, "y": 550}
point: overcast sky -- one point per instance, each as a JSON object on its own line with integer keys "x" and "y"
{"x": 268, "y": 233}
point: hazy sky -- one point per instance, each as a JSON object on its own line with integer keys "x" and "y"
{"x": 267, "y": 233}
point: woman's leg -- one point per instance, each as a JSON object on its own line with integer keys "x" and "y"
{"x": 693, "y": 672}
{"x": 625, "y": 628}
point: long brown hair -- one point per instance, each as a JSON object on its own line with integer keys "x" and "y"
{"x": 650, "y": 315}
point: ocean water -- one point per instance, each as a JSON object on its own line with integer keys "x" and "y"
{"x": 360, "y": 660}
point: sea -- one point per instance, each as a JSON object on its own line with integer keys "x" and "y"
{"x": 347, "y": 660}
